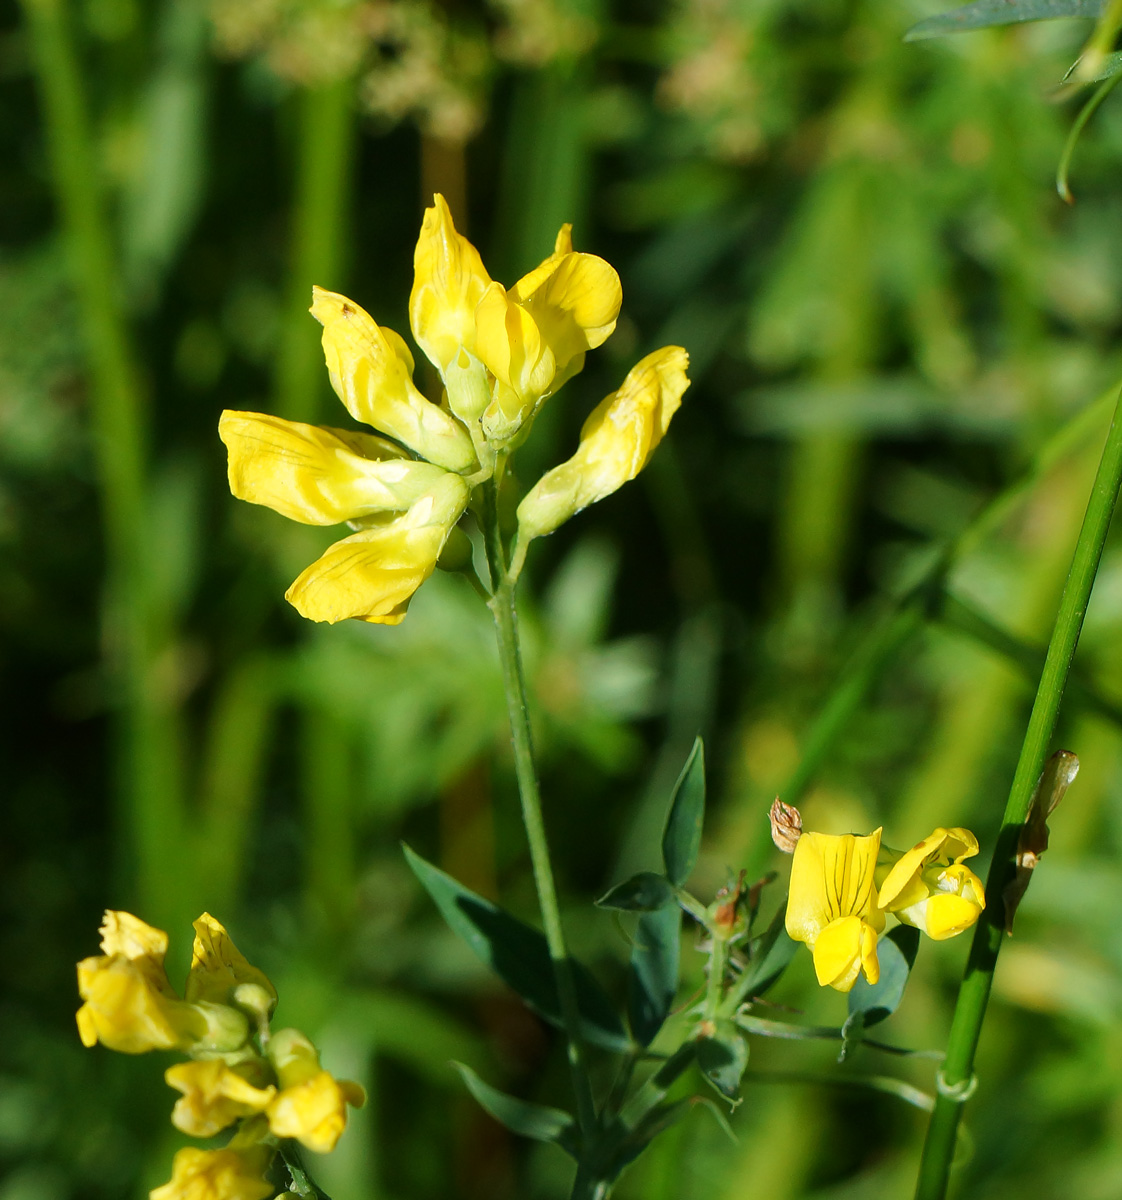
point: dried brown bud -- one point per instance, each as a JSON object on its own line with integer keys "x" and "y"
{"x": 786, "y": 825}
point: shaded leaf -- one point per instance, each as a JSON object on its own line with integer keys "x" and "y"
{"x": 770, "y": 954}
{"x": 519, "y": 955}
{"x": 984, "y": 13}
{"x": 653, "y": 981}
{"x": 869, "y": 1004}
{"x": 681, "y": 841}
{"x": 641, "y": 893}
{"x": 656, "y": 1121}
{"x": 536, "y": 1121}
{"x": 722, "y": 1058}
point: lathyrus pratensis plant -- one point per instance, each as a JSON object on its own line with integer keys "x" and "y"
{"x": 405, "y": 492}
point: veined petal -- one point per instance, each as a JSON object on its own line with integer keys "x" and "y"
{"x": 218, "y": 966}
{"x": 217, "y": 1175}
{"x": 902, "y": 886}
{"x": 832, "y": 877}
{"x": 373, "y": 574}
{"x": 371, "y": 371}
{"x": 449, "y": 280}
{"x": 842, "y": 950}
{"x": 576, "y": 305}
{"x": 124, "y": 934}
{"x": 319, "y": 476}
{"x": 510, "y": 345}
{"x": 616, "y": 443}
{"x": 213, "y": 1097}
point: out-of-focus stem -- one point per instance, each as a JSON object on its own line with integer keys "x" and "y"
{"x": 149, "y": 770}
{"x": 956, "y": 1078}
{"x": 323, "y": 182}
{"x": 503, "y": 609}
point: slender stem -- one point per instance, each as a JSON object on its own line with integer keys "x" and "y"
{"x": 973, "y": 996}
{"x": 503, "y": 609}
{"x": 717, "y": 958}
{"x": 148, "y": 764}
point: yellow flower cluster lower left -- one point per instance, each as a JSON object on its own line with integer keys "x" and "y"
{"x": 268, "y": 1085}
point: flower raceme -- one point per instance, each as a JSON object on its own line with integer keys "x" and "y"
{"x": 842, "y": 887}
{"x": 500, "y": 354}
{"x": 266, "y": 1085}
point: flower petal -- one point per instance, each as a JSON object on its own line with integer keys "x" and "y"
{"x": 319, "y": 476}
{"x": 448, "y": 282}
{"x": 616, "y": 443}
{"x": 842, "y": 950}
{"x": 576, "y": 305}
{"x": 510, "y": 345}
{"x": 371, "y": 372}
{"x": 831, "y": 878}
{"x": 373, "y": 574}
{"x": 213, "y": 1097}
{"x": 901, "y": 887}
{"x": 217, "y": 1175}
{"x": 949, "y": 915}
{"x": 218, "y": 966}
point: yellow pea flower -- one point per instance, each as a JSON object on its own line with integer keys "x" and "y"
{"x": 217, "y": 1175}
{"x": 832, "y": 905}
{"x": 214, "y": 1096}
{"x": 373, "y": 574}
{"x": 617, "y": 441}
{"x": 312, "y": 1104}
{"x": 130, "y": 1005}
{"x": 928, "y": 887}
{"x": 319, "y": 476}
{"x": 371, "y": 371}
{"x": 218, "y": 967}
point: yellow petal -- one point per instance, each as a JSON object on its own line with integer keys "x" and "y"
{"x": 319, "y": 476}
{"x": 125, "y": 1011}
{"x": 832, "y": 877}
{"x": 124, "y": 934}
{"x": 214, "y": 1096}
{"x": 218, "y": 966}
{"x": 949, "y": 915}
{"x": 509, "y": 344}
{"x": 216, "y": 1175}
{"x": 448, "y": 282}
{"x": 899, "y": 887}
{"x": 315, "y": 1111}
{"x": 371, "y": 372}
{"x": 842, "y": 950}
{"x": 373, "y": 574}
{"x": 616, "y": 443}
{"x": 576, "y": 306}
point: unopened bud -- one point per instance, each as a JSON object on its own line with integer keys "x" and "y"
{"x": 786, "y": 825}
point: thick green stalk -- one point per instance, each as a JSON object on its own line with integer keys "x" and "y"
{"x": 957, "y": 1076}
{"x": 323, "y": 181}
{"x": 503, "y": 609}
{"x": 148, "y": 753}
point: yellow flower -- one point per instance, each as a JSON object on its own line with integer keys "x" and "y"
{"x": 214, "y": 1096}
{"x": 218, "y": 967}
{"x": 928, "y": 887}
{"x": 217, "y": 1175}
{"x": 617, "y": 441}
{"x": 832, "y": 905}
{"x": 129, "y": 1004}
{"x": 312, "y": 1105}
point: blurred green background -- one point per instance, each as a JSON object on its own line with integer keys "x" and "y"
{"x": 895, "y": 326}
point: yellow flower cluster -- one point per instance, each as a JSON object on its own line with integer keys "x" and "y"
{"x": 500, "y": 354}
{"x": 843, "y": 886}
{"x": 269, "y": 1084}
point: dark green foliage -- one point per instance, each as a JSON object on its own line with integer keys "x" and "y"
{"x": 653, "y": 979}
{"x": 681, "y": 841}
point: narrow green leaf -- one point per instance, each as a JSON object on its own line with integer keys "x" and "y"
{"x": 653, "y": 981}
{"x": 770, "y": 954}
{"x": 657, "y": 1120}
{"x": 723, "y": 1058}
{"x": 519, "y": 955}
{"x": 984, "y": 13}
{"x": 536, "y": 1121}
{"x": 681, "y": 841}
{"x": 870, "y": 1003}
{"x": 641, "y": 893}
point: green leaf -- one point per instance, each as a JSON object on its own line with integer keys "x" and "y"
{"x": 984, "y": 13}
{"x": 723, "y": 1058}
{"x": 536, "y": 1121}
{"x": 871, "y": 1003}
{"x": 641, "y": 893}
{"x": 770, "y": 954}
{"x": 519, "y": 955}
{"x": 657, "y": 1120}
{"x": 681, "y": 841}
{"x": 653, "y": 982}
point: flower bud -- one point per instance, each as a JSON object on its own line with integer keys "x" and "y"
{"x": 786, "y": 825}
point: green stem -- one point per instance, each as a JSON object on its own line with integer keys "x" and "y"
{"x": 148, "y": 760}
{"x": 503, "y": 609}
{"x": 323, "y": 173}
{"x": 970, "y": 1010}
{"x": 715, "y": 988}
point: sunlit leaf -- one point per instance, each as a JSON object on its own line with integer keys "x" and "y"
{"x": 536, "y": 1121}
{"x": 519, "y": 955}
{"x": 681, "y": 841}
{"x": 984, "y": 13}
